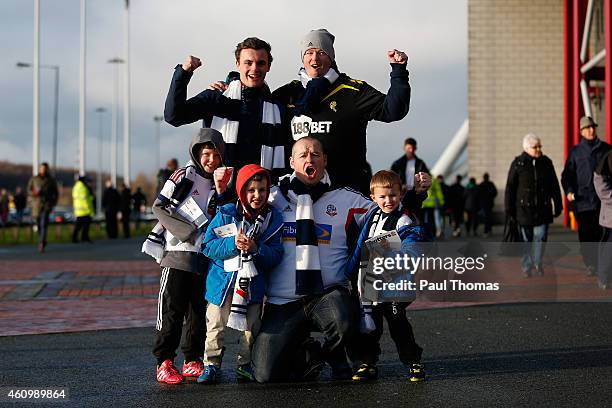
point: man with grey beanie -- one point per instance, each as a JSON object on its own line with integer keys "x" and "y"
{"x": 328, "y": 104}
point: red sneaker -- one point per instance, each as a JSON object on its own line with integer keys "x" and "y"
{"x": 166, "y": 373}
{"x": 193, "y": 368}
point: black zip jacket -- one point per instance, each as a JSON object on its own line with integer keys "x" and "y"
{"x": 531, "y": 189}
{"x": 252, "y": 133}
{"x": 399, "y": 167}
{"x": 342, "y": 117}
{"x": 577, "y": 176}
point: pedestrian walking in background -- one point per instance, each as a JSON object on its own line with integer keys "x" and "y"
{"x": 125, "y": 206}
{"x": 42, "y": 196}
{"x": 441, "y": 211}
{"x": 21, "y": 201}
{"x": 487, "y": 193}
{"x": 139, "y": 201}
{"x": 456, "y": 204}
{"x": 4, "y": 206}
{"x": 431, "y": 206}
{"x": 577, "y": 181}
{"x": 164, "y": 174}
{"x": 531, "y": 190}
{"x": 84, "y": 209}
{"x": 410, "y": 167}
{"x": 602, "y": 179}
{"x": 471, "y": 203}
{"x": 111, "y": 201}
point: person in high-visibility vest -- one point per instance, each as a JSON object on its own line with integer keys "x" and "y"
{"x": 83, "y": 203}
{"x": 433, "y": 202}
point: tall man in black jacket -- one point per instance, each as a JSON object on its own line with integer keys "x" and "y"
{"x": 577, "y": 181}
{"x": 409, "y": 165}
{"x": 411, "y": 168}
{"x": 336, "y": 108}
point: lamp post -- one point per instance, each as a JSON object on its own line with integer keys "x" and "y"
{"x": 56, "y": 68}
{"x": 126, "y": 98}
{"x": 36, "y": 91}
{"x": 158, "y": 120}
{"x": 99, "y": 173}
{"x": 82, "y": 89}
{"x": 115, "y": 61}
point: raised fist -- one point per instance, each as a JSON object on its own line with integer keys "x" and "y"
{"x": 422, "y": 182}
{"x": 397, "y": 57}
{"x": 191, "y": 63}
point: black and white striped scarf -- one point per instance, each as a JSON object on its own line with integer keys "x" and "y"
{"x": 315, "y": 90}
{"x": 155, "y": 243}
{"x": 238, "y": 311}
{"x": 308, "y": 279}
{"x": 367, "y": 325}
{"x": 272, "y": 147}
{"x": 379, "y": 224}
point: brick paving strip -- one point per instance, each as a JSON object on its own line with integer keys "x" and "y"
{"x": 67, "y": 296}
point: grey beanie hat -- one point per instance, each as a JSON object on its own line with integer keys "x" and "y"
{"x": 320, "y": 38}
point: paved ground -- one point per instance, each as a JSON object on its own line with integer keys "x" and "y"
{"x": 541, "y": 354}
{"x": 510, "y": 355}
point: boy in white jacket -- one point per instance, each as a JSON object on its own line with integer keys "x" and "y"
{"x": 184, "y": 207}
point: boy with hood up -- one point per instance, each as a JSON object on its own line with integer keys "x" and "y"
{"x": 183, "y": 207}
{"x": 243, "y": 242}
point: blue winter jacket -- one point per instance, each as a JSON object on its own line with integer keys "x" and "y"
{"x": 410, "y": 235}
{"x": 219, "y": 283}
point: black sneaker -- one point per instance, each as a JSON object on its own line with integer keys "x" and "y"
{"x": 341, "y": 372}
{"x": 314, "y": 363}
{"x": 365, "y": 372}
{"x": 313, "y": 370}
{"x": 417, "y": 372}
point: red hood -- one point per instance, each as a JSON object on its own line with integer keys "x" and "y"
{"x": 246, "y": 173}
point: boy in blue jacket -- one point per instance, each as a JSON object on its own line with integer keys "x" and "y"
{"x": 385, "y": 189}
{"x": 243, "y": 241}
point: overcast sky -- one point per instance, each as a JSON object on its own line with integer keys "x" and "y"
{"x": 432, "y": 33}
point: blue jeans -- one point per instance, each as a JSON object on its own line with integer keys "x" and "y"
{"x": 534, "y": 237}
{"x": 277, "y": 353}
{"x": 43, "y": 222}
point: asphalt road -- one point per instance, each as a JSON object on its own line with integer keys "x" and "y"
{"x": 511, "y": 355}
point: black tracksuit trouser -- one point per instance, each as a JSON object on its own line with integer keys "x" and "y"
{"x": 181, "y": 296}
{"x": 366, "y": 347}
